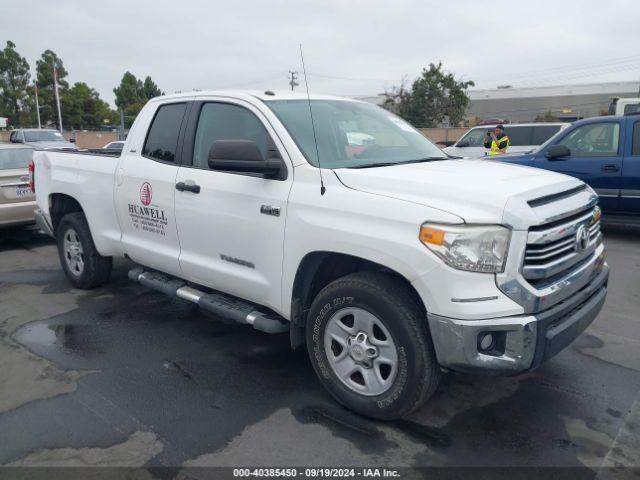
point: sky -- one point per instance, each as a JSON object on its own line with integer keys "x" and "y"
{"x": 351, "y": 47}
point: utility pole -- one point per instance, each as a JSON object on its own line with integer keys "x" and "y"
{"x": 55, "y": 85}
{"x": 37, "y": 104}
{"x": 121, "y": 125}
{"x": 293, "y": 77}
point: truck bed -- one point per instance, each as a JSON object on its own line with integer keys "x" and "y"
{"x": 87, "y": 177}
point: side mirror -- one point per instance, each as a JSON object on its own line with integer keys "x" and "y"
{"x": 446, "y": 143}
{"x": 462, "y": 144}
{"x": 244, "y": 156}
{"x": 72, "y": 140}
{"x": 558, "y": 152}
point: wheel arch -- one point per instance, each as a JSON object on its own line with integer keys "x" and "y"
{"x": 317, "y": 270}
{"x": 59, "y": 205}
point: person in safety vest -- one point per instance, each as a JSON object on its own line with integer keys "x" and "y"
{"x": 496, "y": 141}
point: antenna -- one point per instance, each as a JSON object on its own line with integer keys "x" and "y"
{"x": 313, "y": 126}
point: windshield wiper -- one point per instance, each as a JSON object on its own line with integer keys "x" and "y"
{"x": 390, "y": 164}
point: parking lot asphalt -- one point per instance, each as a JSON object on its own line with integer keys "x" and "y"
{"x": 125, "y": 376}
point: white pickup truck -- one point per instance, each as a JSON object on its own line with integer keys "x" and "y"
{"x": 386, "y": 258}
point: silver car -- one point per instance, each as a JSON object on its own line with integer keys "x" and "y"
{"x": 17, "y": 200}
{"x": 41, "y": 139}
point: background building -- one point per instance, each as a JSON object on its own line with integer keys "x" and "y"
{"x": 568, "y": 102}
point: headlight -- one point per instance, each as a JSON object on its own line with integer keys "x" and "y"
{"x": 468, "y": 247}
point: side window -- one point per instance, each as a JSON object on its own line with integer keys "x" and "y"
{"x": 162, "y": 138}
{"x": 594, "y": 140}
{"x": 224, "y": 121}
{"x": 543, "y": 133}
{"x": 475, "y": 138}
{"x": 635, "y": 149}
{"x": 518, "y": 136}
{"x": 13, "y": 136}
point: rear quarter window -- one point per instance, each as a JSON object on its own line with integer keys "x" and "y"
{"x": 15, "y": 158}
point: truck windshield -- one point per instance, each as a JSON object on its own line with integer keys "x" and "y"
{"x": 43, "y": 136}
{"x": 15, "y": 158}
{"x": 353, "y": 134}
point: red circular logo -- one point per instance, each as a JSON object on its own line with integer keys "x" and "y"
{"x": 145, "y": 193}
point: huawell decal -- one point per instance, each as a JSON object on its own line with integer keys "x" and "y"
{"x": 147, "y": 217}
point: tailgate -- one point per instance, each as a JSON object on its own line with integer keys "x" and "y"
{"x": 14, "y": 186}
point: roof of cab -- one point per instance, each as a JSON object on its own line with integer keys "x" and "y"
{"x": 265, "y": 95}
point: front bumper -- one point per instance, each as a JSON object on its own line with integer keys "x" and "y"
{"x": 521, "y": 342}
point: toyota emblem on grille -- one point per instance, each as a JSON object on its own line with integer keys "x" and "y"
{"x": 582, "y": 238}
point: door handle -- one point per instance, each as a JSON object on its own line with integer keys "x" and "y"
{"x": 187, "y": 187}
{"x": 611, "y": 167}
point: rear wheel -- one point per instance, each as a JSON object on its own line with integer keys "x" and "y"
{"x": 83, "y": 265}
{"x": 369, "y": 343}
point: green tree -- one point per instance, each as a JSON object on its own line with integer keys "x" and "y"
{"x": 547, "y": 117}
{"x": 14, "y": 85}
{"x": 132, "y": 94}
{"x": 434, "y": 96}
{"x": 150, "y": 89}
{"x": 84, "y": 108}
{"x": 46, "y": 96}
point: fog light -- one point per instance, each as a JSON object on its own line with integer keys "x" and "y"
{"x": 486, "y": 342}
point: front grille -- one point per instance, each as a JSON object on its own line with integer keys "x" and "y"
{"x": 554, "y": 249}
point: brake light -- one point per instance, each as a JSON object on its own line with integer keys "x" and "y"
{"x": 32, "y": 177}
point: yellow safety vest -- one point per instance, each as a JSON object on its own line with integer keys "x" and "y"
{"x": 495, "y": 148}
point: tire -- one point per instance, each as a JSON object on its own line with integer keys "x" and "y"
{"x": 75, "y": 243}
{"x": 395, "y": 315}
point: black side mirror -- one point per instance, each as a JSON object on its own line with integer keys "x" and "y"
{"x": 244, "y": 156}
{"x": 72, "y": 140}
{"x": 462, "y": 144}
{"x": 446, "y": 143}
{"x": 558, "y": 152}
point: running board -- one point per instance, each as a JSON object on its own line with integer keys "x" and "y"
{"x": 217, "y": 303}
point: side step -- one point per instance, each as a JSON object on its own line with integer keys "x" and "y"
{"x": 221, "y": 305}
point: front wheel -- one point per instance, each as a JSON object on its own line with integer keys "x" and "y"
{"x": 370, "y": 345}
{"x": 82, "y": 264}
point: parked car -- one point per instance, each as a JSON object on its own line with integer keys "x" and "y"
{"x": 604, "y": 152}
{"x": 41, "y": 138}
{"x": 17, "y": 201}
{"x": 115, "y": 146}
{"x": 624, "y": 106}
{"x": 523, "y": 137}
{"x": 388, "y": 262}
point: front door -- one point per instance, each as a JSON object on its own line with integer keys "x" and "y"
{"x": 596, "y": 158}
{"x": 232, "y": 229}
{"x": 630, "y": 189}
{"x": 145, "y": 188}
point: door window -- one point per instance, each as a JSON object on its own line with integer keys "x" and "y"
{"x": 518, "y": 136}
{"x": 636, "y": 139}
{"x": 162, "y": 139}
{"x": 594, "y": 140}
{"x": 475, "y": 138}
{"x": 224, "y": 121}
{"x": 543, "y": 133}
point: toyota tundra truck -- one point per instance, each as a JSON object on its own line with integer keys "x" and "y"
{"x": 388, "y": 260}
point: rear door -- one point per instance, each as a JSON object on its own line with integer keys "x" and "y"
{"x": 630, "y": 188}
{"x": 596, "y": 158}
{"x": 232, "y": 229}
{"x": 145, "y": 188}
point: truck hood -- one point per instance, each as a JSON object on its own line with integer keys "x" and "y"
{"x": 475, "y": 190}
